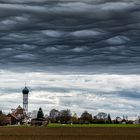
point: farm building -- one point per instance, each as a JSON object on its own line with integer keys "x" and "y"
{"x": 18, "y": 116}
{"x": 39, "y": 122}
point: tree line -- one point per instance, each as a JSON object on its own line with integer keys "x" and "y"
{"x": 66, "y": 117}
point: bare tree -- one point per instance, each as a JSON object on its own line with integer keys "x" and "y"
{"x": 86, "y": 117}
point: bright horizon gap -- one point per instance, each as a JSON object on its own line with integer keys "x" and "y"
{"x": 93, "y": 93}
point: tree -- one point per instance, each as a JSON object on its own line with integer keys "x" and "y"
{"x": 40, "y": 113}
{"x": 109, "y": 119}
{"x": 54, "y": 116}
{"x": 86, "y": 117}
{"x": 2, "y": 118}
{"x": 118, "y": 120}
{"x": 1, "y": 112}
{"x": 74, "y": 119}
{"x": 101, "y": 117}
{"x": 65, "y": 116}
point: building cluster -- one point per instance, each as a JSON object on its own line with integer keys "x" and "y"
{"x": 20, "y": 115}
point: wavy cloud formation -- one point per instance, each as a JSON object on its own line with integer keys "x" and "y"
{"x": 63, "y": 33}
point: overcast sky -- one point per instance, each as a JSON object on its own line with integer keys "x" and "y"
{"x": 82, "y": 55}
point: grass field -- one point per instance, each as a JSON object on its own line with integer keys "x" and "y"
{"x": 74, "y": 132}
{"x": 93, "y": 125}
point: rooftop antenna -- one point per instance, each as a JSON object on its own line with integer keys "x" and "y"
{"x": 25, "y": 84}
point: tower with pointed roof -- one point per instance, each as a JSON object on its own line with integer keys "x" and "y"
{"x": 25, "y": 93}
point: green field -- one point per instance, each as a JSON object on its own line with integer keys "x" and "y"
{"x": 93, "y": 125}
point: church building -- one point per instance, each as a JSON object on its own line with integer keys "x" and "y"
{"x": 20, "y": 114}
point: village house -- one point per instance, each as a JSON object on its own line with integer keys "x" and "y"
{"x": 17, "y": 116}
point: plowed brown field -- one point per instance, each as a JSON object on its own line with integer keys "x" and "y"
{"x": 97, "y": 133}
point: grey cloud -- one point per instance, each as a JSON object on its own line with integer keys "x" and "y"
{"x": 129, "y": 94}
{"x": 70, "y": 34}
{"x": 86, "y": 33}
{"x": 91, "y": 104}
{"x": 118, "y": 40}
{"x": 25, "y": 56}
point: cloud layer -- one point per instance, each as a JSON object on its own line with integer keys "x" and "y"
{"x": 64, "y": 33}
{"x": 115, "y": 94}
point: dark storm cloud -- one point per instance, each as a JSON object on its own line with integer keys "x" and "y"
{"x": 67, "y": 33}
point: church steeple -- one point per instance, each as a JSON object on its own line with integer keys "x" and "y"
{"x": 25, "y": 92}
